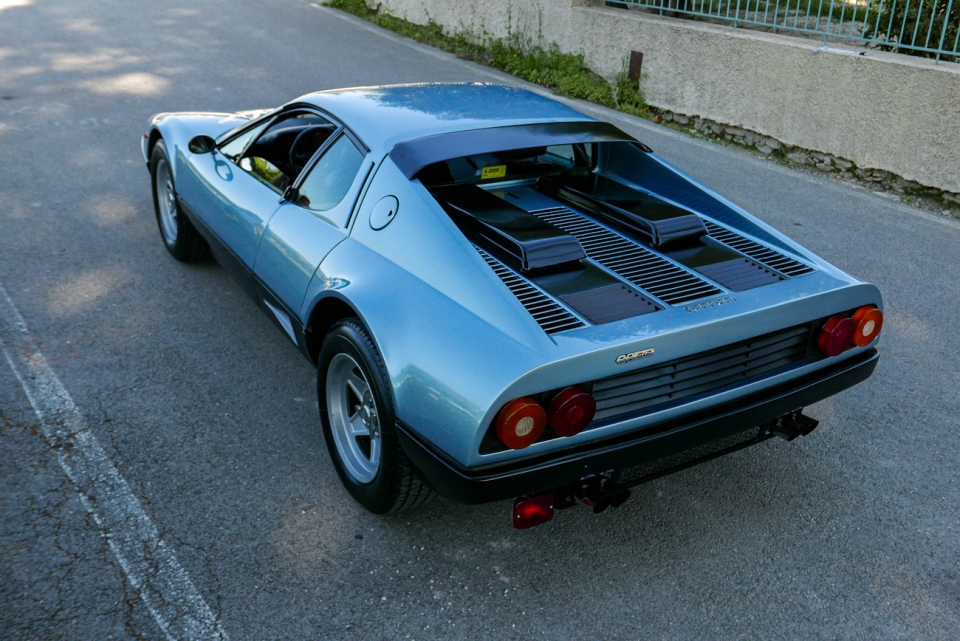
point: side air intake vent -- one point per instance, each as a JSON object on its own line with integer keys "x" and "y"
{"x": 630, "y": 261}
{"x": 756, "y": 251}
{"x": 552, "y": 317}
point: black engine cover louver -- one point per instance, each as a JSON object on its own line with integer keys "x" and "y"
{"x": 740, "y": 274}
{"x": 768, "y": 257}
{"x": 551, "y": 316}
{"x": 635, "y": 264}
{"x": 608, "y": 304}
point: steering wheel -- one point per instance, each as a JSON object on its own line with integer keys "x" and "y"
{"x": 299, "y": 160}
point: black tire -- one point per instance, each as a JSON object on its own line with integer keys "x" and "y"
{"x": 396, "y": 485}
{"x": 184, "y": 242}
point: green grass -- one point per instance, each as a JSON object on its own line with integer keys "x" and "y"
{"x": 564, "y": 73}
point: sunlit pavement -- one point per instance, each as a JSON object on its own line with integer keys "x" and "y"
{"x": 208, "y": 413}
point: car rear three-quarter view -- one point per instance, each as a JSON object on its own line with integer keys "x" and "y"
{"x": 505, "y": 298}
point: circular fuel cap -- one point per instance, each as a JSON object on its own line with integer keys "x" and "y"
{"x": 384, "y": 212}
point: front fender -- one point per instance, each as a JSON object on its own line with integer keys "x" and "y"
{"x": 177, "y": 129}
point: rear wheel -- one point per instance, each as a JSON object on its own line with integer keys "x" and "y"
{"x": 356, "y": 411}
{"x": 179, "y": 235}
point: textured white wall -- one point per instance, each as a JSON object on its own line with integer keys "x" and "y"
{"x": 885, "y": 111}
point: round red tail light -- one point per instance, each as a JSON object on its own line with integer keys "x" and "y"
{"x": 868, "y": 321}
{"x": 835, "y": 335}
{"x": 520, "y": 423}
{"x": 571, "y": 411}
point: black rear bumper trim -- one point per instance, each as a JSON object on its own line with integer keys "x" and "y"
{"x": 508, "y": 480}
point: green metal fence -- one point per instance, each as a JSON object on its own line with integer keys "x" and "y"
{"x": 928, "y": 28}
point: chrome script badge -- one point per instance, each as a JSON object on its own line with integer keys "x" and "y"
{"x": 632, "y": 356}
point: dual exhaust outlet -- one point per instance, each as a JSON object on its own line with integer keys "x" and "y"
{"x": 790, "y": 426}
{"x": 598, "y": 493}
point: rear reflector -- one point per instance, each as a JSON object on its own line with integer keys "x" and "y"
{"x": 520, "y": 423}
{"x": 868, "y": 321}
{"x": 836, "y": 335}
{"x": 571, "y": 411}
{"x": 532, "y": 511}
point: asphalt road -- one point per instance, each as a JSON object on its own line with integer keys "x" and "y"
{"x": 208, "y": 412}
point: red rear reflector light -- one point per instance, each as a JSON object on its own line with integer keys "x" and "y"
{"x": 836, "y": 335}
{"x": 520, "y": 423}
{"x": 868, "y": 321}
{"x": 571, "y": 411}
{"x": 535, "y": 510}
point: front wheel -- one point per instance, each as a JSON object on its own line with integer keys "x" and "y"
{"x": 179, "y": 235}
{"x": 356, "y": 411}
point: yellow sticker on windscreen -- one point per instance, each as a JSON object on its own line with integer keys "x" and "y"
{"x": 496, "y": 171}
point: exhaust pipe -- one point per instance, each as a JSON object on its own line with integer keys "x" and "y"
{"x": 792, "y": 425}
{"x": 598, "y": 493}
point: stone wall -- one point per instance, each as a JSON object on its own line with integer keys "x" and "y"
{"x": 887, "y": 112}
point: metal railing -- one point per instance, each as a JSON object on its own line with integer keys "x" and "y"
{"x": 928, "y": 28}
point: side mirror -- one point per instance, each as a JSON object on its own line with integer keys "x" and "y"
{"x": 202, "y": 144}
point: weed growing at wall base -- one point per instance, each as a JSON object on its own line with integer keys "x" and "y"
{"x": 564, "y": 73}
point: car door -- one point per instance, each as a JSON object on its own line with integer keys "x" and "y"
{"x": 230, "y": 204}
{"x": 238, "y": 187}
{"x": 310, "y": 223}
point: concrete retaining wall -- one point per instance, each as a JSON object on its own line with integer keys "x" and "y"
{"x": 886, "y": 111}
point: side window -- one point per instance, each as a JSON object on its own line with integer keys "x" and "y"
{"x": 330, "y": 178}
{"x": 266, "y": 171}
{"x": 235, "y": 147}
{"x": 280, "y": 151}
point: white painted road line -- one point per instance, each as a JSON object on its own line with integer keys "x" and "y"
{"x": 148, "y": 562}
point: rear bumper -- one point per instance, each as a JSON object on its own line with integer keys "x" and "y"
{"x": 508, "y": 480}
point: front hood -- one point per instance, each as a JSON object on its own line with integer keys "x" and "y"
{"x": 177, "y": 128}
{"x": 191, "y": 123}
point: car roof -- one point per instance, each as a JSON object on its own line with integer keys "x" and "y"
{"x": 383, "y": 116}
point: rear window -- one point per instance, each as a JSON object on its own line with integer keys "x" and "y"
{"x": 514, "y": 164}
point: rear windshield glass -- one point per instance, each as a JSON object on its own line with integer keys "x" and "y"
{"x": 515, "y": 164}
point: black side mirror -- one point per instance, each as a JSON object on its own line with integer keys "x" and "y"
{"x": 202, "y": 144}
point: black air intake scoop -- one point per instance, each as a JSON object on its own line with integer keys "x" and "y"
{"x": 642, "y": 216}
{"x": 519, "y": 239}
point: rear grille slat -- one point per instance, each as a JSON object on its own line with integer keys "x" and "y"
{"x": 632, "y": 262}
{"x": 702, "y": 373}
{"x": 764, "y": 255}
{"x": 551, "y": 316}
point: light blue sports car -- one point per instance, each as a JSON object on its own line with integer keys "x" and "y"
{"x": 505, "y": 298}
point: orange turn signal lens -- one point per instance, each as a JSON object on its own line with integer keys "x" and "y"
{"x": 868, "y": 321}
{"x": 520, "y": 423}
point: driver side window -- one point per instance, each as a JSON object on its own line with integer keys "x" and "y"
{"x": 279, "y": 154}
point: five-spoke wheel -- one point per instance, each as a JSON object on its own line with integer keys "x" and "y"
{"x": 354, "y": 420}
{"x": 359, "y": 425}
{"x": 179, "y": 235}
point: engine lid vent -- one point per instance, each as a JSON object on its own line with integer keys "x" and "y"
{"x": 740, "y": 274}
{"x": 770, "y": 258}
{"x": 632, "y": 262}
{"x": 609, "y": 303}
{"x": 551, "y": 316}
